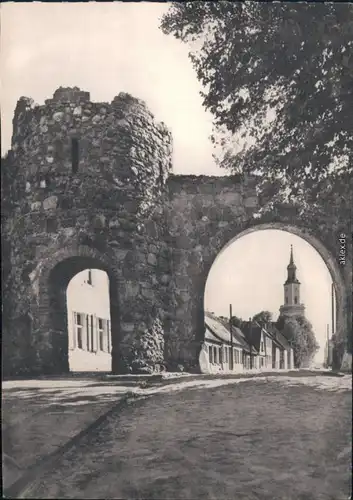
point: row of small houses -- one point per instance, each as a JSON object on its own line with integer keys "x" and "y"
{"x": 253, "y": 347}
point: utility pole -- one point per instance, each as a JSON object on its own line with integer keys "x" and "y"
{"x": 250, "y": 337}
{"x": 231, "y": 359}
{"x": 328, "y": 347}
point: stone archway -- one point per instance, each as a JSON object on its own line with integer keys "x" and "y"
{"x": 49, "y": 307}
{"x": 206, "y": 215}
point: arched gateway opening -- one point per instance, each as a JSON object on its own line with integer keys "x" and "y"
{"x": 207, "y": 214}
{"x": 207, "y": 221}
{"x": 277, "y": 272}
{"x": 341, "y": 298}
{"x": 73, "y": 331}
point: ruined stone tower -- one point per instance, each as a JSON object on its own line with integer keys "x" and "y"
{"x": 89, "y": 182}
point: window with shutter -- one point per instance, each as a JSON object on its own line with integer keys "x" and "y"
{"x": 72, "y": 332}
{"x": 89, "y": 332}
{"x": 88, "y": 328}
{"x": 109, "y": 336}
{"x": 78, "y": 331}
{"x": 83, "y": 330}
{"x": 92, "y": 336}
{"x": 105, "y": 335}
{"x": 210, "y": 352}
{"x": 101, "y": 336}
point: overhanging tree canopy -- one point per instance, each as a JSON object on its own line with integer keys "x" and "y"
{"x": 291, "y": 63}
{"x": 299, "y": 331}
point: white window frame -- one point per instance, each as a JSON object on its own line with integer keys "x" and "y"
{"x": 100, "y": 334}
{"x": 78, "y": 331}
{"x": 91, "y": 347}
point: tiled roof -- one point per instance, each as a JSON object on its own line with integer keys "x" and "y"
{"x": 209, "y": 335}
{"x": 237, "y": 333}
{"x": 279, "y": 337}
{"x": 252, "y": 334}
{"x": 216, "y": 328}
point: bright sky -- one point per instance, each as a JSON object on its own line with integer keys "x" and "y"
{"x": 106, "y": 48}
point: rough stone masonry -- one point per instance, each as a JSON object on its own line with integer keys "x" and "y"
{"x": 90, "y": 185}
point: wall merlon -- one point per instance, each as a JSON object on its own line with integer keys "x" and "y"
{"x": 70, "y": 95}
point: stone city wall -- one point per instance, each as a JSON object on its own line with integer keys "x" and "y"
{"x": 92, "y": 187}
{"x": 204, "y": 215}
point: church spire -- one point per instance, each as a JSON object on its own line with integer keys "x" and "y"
{"x": 291, "y": 269}
{"x": 291, "y": 260}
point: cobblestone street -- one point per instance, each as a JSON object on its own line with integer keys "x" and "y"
{"x": 215, "y": 439}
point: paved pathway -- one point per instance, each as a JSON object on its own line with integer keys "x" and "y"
{"x": 270, "y": 438}
{"x": 39, "y": 416}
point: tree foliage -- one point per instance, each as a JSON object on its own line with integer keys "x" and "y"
{"x": 291, "y": 63}
{"x": 263, "y": 317}
{"x": 299, "y": 331}
{"x": 238, "y": 322}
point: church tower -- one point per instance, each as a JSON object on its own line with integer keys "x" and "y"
{"x": 292, "y": 305}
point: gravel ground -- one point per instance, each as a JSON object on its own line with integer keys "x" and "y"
{"x": 265, "y": 438}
